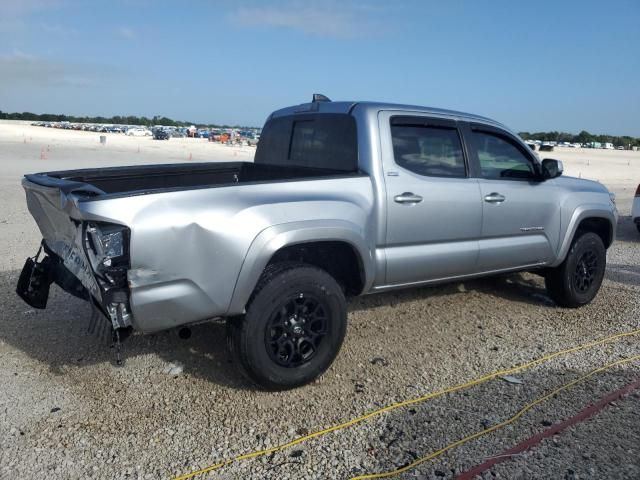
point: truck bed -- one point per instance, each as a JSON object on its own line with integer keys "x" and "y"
{"x": 150, "y": 178}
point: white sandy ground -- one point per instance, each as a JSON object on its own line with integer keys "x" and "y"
{"x": 140, "y": 422}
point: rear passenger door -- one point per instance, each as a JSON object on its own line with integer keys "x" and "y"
{"x": 520, "y": 210}
{"x": 434, "y": 210}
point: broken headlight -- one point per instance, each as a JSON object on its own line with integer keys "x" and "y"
{"x": 107, "y": 245}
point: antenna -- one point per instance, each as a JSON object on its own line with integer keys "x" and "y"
{"x": 318, "y": 97}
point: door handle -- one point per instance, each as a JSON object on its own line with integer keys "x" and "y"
{"x": 494, "y": 197}
{"x": 407, "y": 197}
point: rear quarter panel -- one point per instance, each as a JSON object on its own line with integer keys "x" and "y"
{"x": 188, "y": 247}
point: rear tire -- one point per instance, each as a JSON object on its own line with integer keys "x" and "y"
{"x": 576, "y": 281}
{"x": 293, "y": 329}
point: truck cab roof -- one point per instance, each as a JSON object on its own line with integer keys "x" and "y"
{"x": 347, "y": 107}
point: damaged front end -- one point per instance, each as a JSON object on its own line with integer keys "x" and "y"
{"x": 92, "y": 266}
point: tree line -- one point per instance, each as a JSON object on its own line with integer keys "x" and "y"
{"x": 116, "y": 120}
{"x": 582, "y": 137}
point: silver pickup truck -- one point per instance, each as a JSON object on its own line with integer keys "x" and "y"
{"x": 343, "y": 198}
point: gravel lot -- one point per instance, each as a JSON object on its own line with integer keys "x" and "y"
{"x": 67, "y": 412}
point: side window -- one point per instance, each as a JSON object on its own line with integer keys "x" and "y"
{"x": 428, "y": 150}
{"x": 500, "y": 158}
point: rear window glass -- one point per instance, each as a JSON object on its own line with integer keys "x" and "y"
{"x": 428, "y": 150}
{"x": 316, "y": 141}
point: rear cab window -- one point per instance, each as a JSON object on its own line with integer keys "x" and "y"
{"x": 428, "y": 147}
{"x": 323, "y": 140}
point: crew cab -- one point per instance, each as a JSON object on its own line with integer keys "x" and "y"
{"x": 342, "y": 199}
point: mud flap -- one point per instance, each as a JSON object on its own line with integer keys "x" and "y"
{"x": 34, "y": 282}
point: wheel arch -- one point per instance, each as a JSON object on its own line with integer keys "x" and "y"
{"x": 590, "y": 219}
{"x": 304, "y": 241}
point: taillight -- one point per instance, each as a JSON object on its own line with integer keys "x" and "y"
{"x": 107, "y": 245}
{"x": 638, "y": 191}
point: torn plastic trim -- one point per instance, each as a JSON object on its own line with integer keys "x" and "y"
{"x": 87, "y": 268}
{"x": 33, "y": 288}
{"x": 106, "y": 246}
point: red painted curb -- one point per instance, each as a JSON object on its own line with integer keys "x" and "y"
{"x": 559, "y": 427}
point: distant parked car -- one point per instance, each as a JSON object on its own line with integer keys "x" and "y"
{"x": 138, "y": 132}
{"x": 620, "y": 148}
{"x": 635, "y": 209}
{"x": 161, "y": 134}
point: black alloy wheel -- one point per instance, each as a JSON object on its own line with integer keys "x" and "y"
{"x": 585, "y": 271}
{"x": 296, "y": 329}
{"x": 576, "y": 281}
{"x": 293, "y": 328}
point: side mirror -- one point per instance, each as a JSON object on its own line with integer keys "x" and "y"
{"x": 551, "y": 168}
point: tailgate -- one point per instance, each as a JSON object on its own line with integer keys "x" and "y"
{"x": 52, "y": 203}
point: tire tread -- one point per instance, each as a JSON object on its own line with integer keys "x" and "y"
{"x": 240, "y": 341}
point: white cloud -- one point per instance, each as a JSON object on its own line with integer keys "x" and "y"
{"x": 325, "y": 20}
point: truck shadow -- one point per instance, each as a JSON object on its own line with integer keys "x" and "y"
{"x": 516, "y": 287}
{"x": 625, "y": 274}
{"x": 626, "y": 230}
{"x": 59, "y": 337}
{"x": 626, "y": 233}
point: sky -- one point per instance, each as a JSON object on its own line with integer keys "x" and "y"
{"x": 536, "y": 66}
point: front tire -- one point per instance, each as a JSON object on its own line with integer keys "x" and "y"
{"x": 576, "y": 281}
{"x": 293, "y": 328}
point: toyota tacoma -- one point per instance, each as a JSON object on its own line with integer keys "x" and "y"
{"x": 342, "y": 199}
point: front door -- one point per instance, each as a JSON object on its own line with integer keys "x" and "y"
{"x": 520, "y": 211}
{"x": 434, "y": 210}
